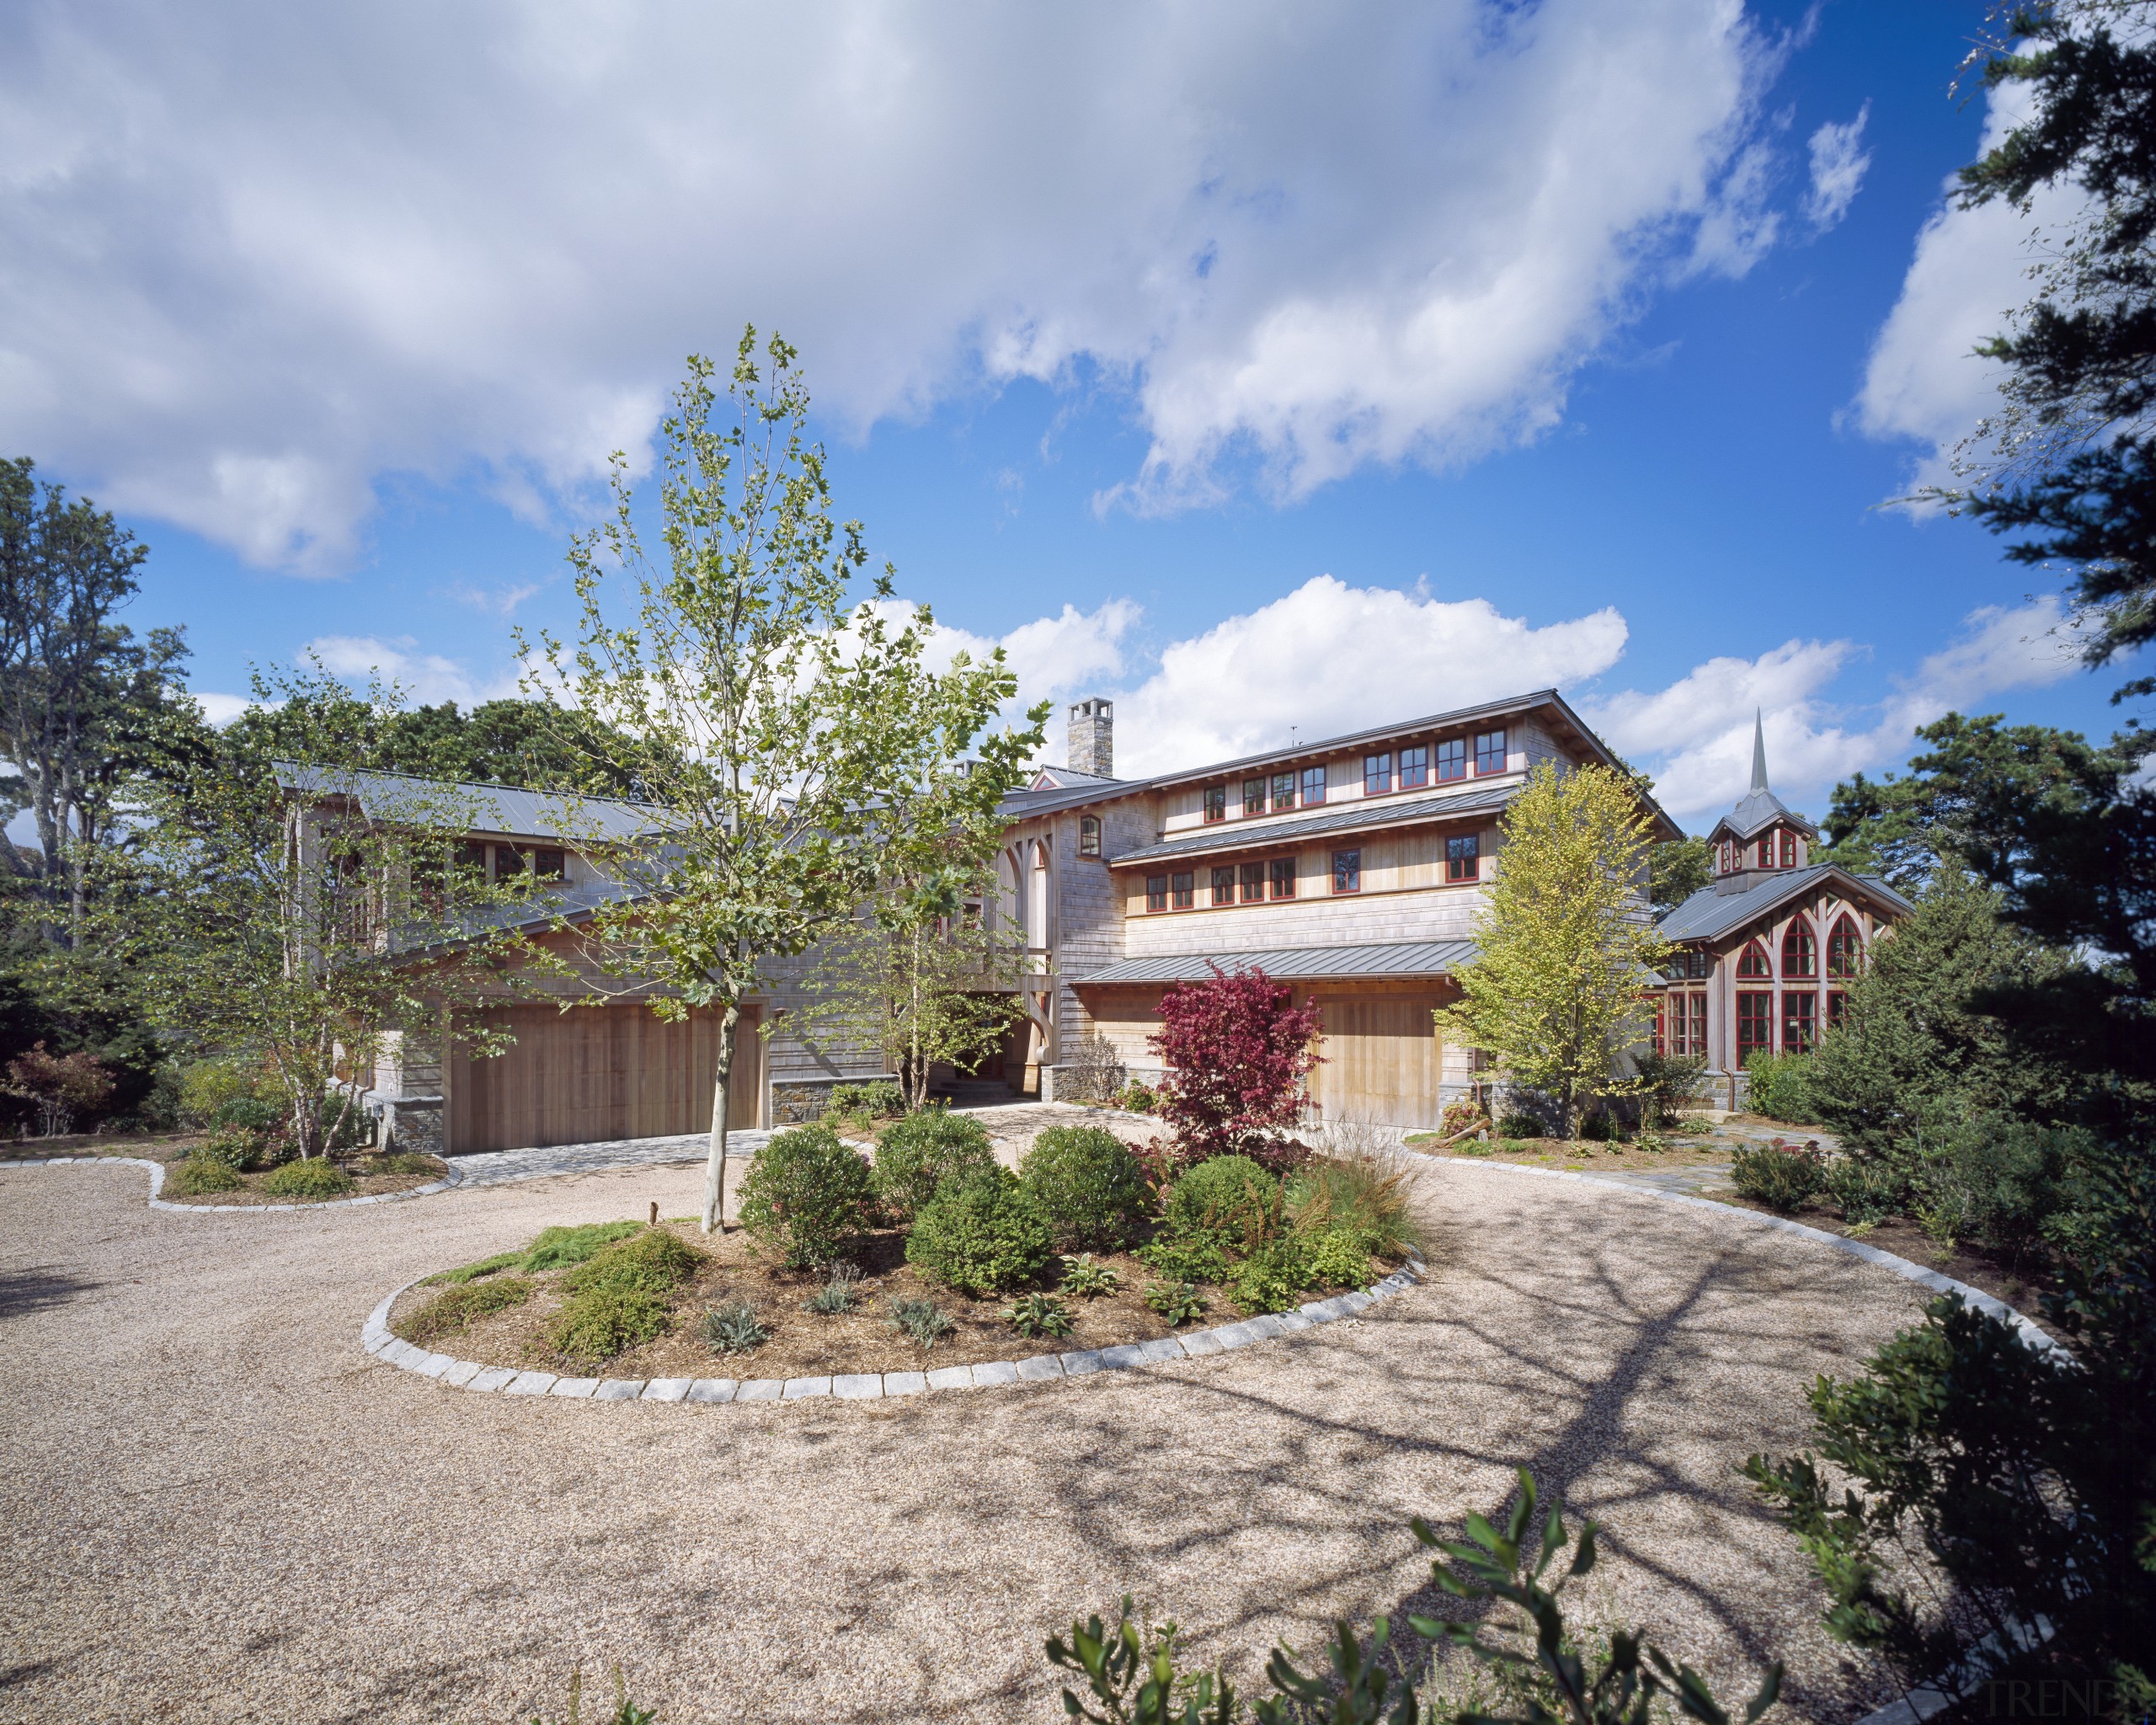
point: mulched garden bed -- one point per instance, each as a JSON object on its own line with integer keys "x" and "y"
{"x": 804, "y": 1343}
{"x": 368, "y": 1179}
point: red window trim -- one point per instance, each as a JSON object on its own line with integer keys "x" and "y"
{"x": 1338, "y": 890}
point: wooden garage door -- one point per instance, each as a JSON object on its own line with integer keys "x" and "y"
{"x": 598, "y": 1073}
{"x": 1381, "y": 1060}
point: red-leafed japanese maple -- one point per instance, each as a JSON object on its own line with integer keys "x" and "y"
{"x": 1238, "y": 1050}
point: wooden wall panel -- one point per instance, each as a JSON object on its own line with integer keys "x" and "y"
{"x": 1383, "y": 1060}
{"x": 599, "y": 1073}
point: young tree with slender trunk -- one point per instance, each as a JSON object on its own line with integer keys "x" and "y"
{"x": 773, "y": 724}
{"x": 1566, "y": 951}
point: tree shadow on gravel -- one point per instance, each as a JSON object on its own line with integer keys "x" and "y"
{"x": 23, "y": 1292}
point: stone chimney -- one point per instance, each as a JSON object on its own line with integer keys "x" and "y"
{"x": 1092, "y": 737}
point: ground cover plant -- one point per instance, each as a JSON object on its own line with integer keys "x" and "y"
{"x": 975, "y": 1277}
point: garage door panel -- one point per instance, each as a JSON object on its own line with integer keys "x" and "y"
{"x": 598, "y": 1073}
{"x": 1382, "y": 1060}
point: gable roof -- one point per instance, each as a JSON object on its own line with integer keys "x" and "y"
{"x": 1708, "y": 914}
{"x": 1363, "y": 815}
{"x": 502, "y": 808}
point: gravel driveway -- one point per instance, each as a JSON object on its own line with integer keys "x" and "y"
{"x": 216, "y": 1506}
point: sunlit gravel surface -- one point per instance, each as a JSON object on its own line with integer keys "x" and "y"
{"x": 214, "y": 1506}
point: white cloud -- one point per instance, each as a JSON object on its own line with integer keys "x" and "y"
{"x": 501, "y": 600}
{"x": 1838, "y": 170}
{"x": 427, "y": 678}
{"x": 1923, "y": 380}
{"x": 258, "y": 257}
{"x": 220, "y": 710}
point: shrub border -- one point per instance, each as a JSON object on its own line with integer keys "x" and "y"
{"x": 871, "y": 1387}
{"x": 157, "y": 1184}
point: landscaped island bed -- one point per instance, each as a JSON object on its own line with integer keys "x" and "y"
{"x": 932, "y": 1255}
{"x": 357, "y": 1174}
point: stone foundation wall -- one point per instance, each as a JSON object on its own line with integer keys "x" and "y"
{"x": 796, "y": 1102}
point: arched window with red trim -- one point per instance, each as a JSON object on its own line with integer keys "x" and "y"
{"x": 1752, "y": 960}
{"x": 1844, "y": 949}
{"x": 1800, "y": 951}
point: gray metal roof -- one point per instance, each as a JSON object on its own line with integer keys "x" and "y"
{"x": 1416, "y": 958}
{"x": 1708, "y": 914}
{"x": 502, "y": 808}
{"x": 1363, "y": 815}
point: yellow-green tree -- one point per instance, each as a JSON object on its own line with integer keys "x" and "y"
{"x": 1566, "y": 947}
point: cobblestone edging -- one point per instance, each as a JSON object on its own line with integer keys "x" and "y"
{"x": 871, "y": 1387}
{"x": 1989, "y": 1304}
{"x": 157, "y": 1184}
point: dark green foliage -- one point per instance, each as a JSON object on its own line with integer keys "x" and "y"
{"x": 654, "y": 1262}
{"x": 234, "y": 1148}
{"x": 1039, "y": 1315}
{"x": 1774, "y": 1087}
{"x": 1866, "y": 1191}
{"x": 879, "y": 1099}
{"x": 916, "y": 1155}
{"x": 1517, "y": 1125}
{"x": 1229, "y": 1199}
{"x": 841, "y": 1294}
{"x": 982, "y": 1232}
{"x": 1274, "y": 1277}
{"x": 805, "y": 1197}
{"x": 315, "y": 1178}
{"x": 1084, "y": 1279}
{"x": 1091, "y": 1185}
{"x": 1669, "y": 1083}
{"x": 200, "y": 1174}
{"x": 1201, "y": 1258}
{"x": 733, "y": 1327}
{"x": 1130, "y": 1678}
{"x": 1781, "y": 1176}
{"x": 1598, "y": 1128}
{"x": 558, "y": 1248}
{"x": 250, "y": 1114}
{"x": 2027, "y": 1475}
{"x": 922, "y": 1321}
{"x": 1997, "y": 1182}
{"x": 601, "y": 1321}
{"x": 454, "y": 1308}
{"x": 1676, "y": 869}
{"x": 1178, "y": 1302}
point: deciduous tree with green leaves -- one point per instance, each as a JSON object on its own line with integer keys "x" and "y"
{"x": 1554, "y": 993}
{"x": 776, "y": 726}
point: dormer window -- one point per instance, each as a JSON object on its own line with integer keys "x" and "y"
{"x": 1253, "y": 797}
{"x": 1764, "y": 850}
{"x": 1216, "y": 803}
{"x": 1415, "y": 766}
{"x": 1313, "y": 786}
{"x": 1490, "y": 752}
{"x": 1789, "y": 849}
{"x": 1377, "y": 774}
{"x": 1283, "y": 792}
{"x": 1452, "y": 760}
{"x": 1089, "y": 834}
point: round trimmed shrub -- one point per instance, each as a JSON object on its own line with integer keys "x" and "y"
{"x": 315, "y": 1178}
{"x": 916, "y": 1155}
{"x": 806, "y": 1196}
{"x": 981, "y": 1233}
{"x": 1091, "y": 1185}
{"x": 1228, "y": 1199}
{"x": 199, "y": 1174}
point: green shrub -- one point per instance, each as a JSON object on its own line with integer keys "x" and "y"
{"x": 923, "y": 1320}
{"x": 1668, "y": 1082}
{"x": 250, "y": 1114}
{"x": 1138, "y": 1097}
{"x": 229, "y": 1145}
{"x": 1360, "y": 1196}
{"x": 981, "y": 1233}
{"x": 199, "y": 1174}
{"x": 916, "y": 1155}
{"x": 1087, "y": 1280}
{"x": 1998, "y": 1182}
{"x": 557, "y": 1247}
{"x": 1517, "y": 1125}
{"x": 1776, "y": 1086}
{"x": 805, "y": 1197}
{"x": 486, "y": 1267}
{"x": 595, "y": 1325}
{"x": 318, "y": 1176}
{"x": 1274, "y": 1277}
{"x": 207, "y": 1086}
{"x": 1599, "y": 1129}
{"x": 734, "y": 1328}
{"x": 1228, "y": 1199}
{"x": 1039, "y": 1315}
{"x": 1179, "y": 1259}
{"x": 1337, "y": 1260}
{"x": 454, "y": 1308}
{"x": 654, "y": 1262}
{"x": 1864, "y": 1190}
{"x": 1091, "y": 1185}
{"x": 1780, "y": 1176}
{"x": 877, "y": 1100}
{"x": 1178, "y": 1302}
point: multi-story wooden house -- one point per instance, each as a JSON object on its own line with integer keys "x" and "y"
{"x": 1353, "y": 867}
{"x": 1766, "y": 953}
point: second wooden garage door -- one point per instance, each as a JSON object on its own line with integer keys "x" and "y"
{"x": 597, "y": 1073}
{"x": 1382, "y": 1058}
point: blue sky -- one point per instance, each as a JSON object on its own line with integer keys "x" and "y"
{"x": 1257, "y": 367}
